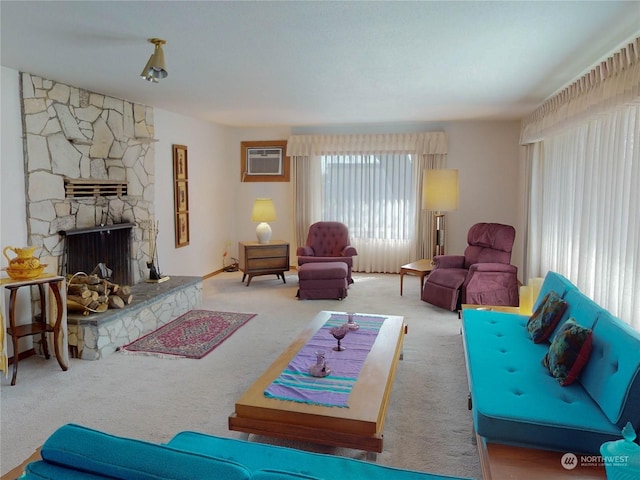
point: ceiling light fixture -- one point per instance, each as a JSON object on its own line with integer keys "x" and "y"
{"x": 155, "y": 69}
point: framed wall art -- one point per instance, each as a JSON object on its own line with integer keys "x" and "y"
{"x": 182, "y": 229}
{"x": 181, "y": 194}
{"x": 264, "y": 161}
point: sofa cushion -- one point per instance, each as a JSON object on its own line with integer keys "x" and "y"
{"x": 544, "y": 320}
{"x": 569, "y": 352}
{"x": 257, "y": 456}
{"x": 42, "y": 470}
{"x": 268, "y": 474}
{"x": 612, "y": 376}
{"x": 553, "y": 281}
{"x": 95, "y": 452}
{"x": 582, "y": 309}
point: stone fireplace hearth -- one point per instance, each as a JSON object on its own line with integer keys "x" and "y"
{"x": 97, "y": 335}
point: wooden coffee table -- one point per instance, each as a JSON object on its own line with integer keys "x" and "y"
{"x": 359, "y": 426}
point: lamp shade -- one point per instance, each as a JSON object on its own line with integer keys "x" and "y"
{"x": 440, "y": 190}
{"x": 156, "y": 68}
{"x": 263, "y": 210}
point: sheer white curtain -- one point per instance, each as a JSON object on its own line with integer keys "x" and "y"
{"x": 584, "y": 156}
{"x": 372, "y": 183}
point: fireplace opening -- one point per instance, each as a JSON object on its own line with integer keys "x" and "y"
{"x": 85, "y": 248}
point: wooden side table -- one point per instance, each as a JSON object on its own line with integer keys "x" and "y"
{"x": 420, "y": 268}
{"x": 45, "y": 323}
{"x": 505, "y": 462}
{"x": 263, "y": 259}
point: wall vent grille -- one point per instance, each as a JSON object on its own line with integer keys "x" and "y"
{"x": 76, "y": 188}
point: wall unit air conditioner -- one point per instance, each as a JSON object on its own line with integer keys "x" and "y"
{"x": 264, "y": 161}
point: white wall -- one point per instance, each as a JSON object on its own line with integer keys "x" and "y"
{"x": 212, "y": 192}
{"x": 246, "y": 192}
{"x": 487, "y": 155}
{"x": 13, "y": 207}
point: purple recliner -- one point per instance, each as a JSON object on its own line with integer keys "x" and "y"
{"x": 328, "y": 242}
{"x": 482, "y": 276}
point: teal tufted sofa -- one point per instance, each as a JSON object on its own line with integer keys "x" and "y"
{"x": 75, "y": 452}
{"x": 516, "y": 401}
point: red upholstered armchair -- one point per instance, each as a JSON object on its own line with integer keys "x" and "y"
{"x": 328, "y": 242}
{"x": 482, "y": 276}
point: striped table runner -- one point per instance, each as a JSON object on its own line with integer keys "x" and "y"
{"x": 295, "y": 383}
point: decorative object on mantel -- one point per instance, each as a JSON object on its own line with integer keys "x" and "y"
{"x": 154, "y": 264}
{"x": 181, "y": 194}
{"x": 156, "y": 68}
{"x": 263, "y": 211}
{"x": 193, "y": 335}
{"x": 24, "y": 265}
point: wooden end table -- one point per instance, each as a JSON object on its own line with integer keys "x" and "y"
{"x": 507, "y": 462}
{"x": 45, "y": 323}
{"x": 420, "y": 268}
{"x": 263, "y": 259}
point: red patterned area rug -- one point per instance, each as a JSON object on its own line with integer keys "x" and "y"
{"x": 193, "y": 335}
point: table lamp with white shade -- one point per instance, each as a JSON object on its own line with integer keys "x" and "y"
{"x": 263, "y": 212}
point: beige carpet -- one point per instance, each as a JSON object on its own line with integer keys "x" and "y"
{"x": 428, "y": 426}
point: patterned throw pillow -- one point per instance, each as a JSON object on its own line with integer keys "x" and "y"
{"x": 544, "y": 320}
{"x": 569, "y": 352}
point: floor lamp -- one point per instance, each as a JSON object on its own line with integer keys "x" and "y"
{"x": 439, "y": 194}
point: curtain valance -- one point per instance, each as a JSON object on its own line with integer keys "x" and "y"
{"x": 613, "y": 83}
{"x": 425, "y": 143}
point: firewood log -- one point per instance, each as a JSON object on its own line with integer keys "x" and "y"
{"x": 101, "y": 288}
{"x": 116, "y": 302}
{"x": 81, "y": 300}
{"x": 114, "y": 287}
{"x": 126, "y": 297}
{"x": 79, "y": 290}
{"x": 88, "y": 280}
{"x": 98, "y": 307}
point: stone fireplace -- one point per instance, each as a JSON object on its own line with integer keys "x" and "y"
{"x": 90, "y": 168}
{"x": 103, "y": 147}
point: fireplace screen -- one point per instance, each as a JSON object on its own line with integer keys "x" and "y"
{"x": 110, "y": 245}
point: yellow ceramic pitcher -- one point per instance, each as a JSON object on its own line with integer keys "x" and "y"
{"x": 24, "y": 259}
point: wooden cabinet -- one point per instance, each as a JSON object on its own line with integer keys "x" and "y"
{"x": 263, "y": 259}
